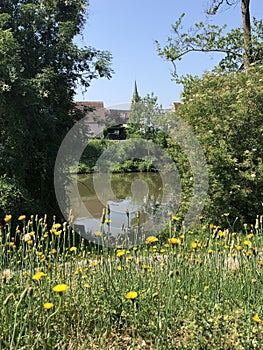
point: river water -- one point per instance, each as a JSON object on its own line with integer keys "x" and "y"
{"x": 128, "y": 199}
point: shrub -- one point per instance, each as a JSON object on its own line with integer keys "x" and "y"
{"x": 14, "y": 199}
{"x": 226, "y": 114}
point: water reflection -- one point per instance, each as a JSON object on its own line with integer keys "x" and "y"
{"x": 134, "y": 201}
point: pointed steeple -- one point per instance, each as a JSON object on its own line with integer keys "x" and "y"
{"x": 135, "y": 97}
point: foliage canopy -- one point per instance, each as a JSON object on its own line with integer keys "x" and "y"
{"x": 40, "y": 66}
{"x": 241, "y": 46}
{"x": 225, "y": 112}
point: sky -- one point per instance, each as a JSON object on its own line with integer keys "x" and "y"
{"x": 128, "y": 29}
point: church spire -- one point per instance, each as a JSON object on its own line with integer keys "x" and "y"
{"x": 135, "y": 97}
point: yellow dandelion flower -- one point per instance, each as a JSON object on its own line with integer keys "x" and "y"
{"x": 250, "y": 235}
{"x": 30, "y": 242}
{"x": 194, "y": 245}
{"x": 60, "y": 288}
{"x": 8, "y": 218}
{"x": 256, "y": 318}
{"x": 57, "y": 233}
{"x": 78, "y": 270}
{"x": 238, "y": 247}
{"x": 176, "y": 218}
{"x": 97, "y": 233}
{"x": 145, "y": 266}
{"x": 247, "y": 242}
{"x": 131, "y": 295}
{"x": 119, "y": 268}
{"x": 107, "y": 221}
{"x": 56, "y": 226}
{"x": 174, "y": 240}
{"x": 48, "y": 306}
{"x": 260, "y": 262}
{"x": 151, "y": 239}
{"x": 86, "y": 285}
{"x": 73, "y": 249}
{"x": 21, "y": 217}
{"x": 38, "y": 275}
{"x": 120, "y": 253}
{"x": 53, "y": 251}
{"x": 198, "y": 261}
{"x": 253, "y": 280}
{"x": 221, "y": 233}
{"x": 226, "y": 214}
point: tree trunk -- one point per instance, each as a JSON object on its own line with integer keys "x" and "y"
{"x": 247, "y": 33}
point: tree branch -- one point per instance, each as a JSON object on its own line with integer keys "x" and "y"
{"x": 200, "y": 50}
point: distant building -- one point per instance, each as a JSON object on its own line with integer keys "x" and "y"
{"x": 135, "y": 97}
{"x": 116, "y": 132}
{"x": 109, "y": 122}
{"x": 95, "y": 115}
{"x": 176, "y": 105}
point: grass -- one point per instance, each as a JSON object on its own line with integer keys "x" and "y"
{"x": 202, "y": 290}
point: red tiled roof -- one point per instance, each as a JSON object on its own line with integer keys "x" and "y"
{"x": 94, "y": 104}
{"x": 176, "y": 105}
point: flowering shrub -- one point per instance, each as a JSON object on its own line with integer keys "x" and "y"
{"x": 226, "y": 115}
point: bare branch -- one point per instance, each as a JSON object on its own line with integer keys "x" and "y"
{"x": 213, "y": 10}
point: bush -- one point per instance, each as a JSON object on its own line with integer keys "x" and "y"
{"x": 226, "y": 114}
{"x": 89, "y": 157}
{"x": 14, "y": 199}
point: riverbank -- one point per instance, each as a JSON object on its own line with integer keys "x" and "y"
{"x": 200, "y": 289}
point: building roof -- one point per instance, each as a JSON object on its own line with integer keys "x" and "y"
{"x": 135, "y": 97}
{"x": 89, "y": 104}
{"x": 176, "y": 105}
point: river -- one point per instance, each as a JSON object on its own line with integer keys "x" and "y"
{"x": 128, "y": 200}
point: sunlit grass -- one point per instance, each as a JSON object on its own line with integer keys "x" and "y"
{"x": 199, "y": 289}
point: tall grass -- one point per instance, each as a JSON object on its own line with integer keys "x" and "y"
{"x": 200, "y": 289}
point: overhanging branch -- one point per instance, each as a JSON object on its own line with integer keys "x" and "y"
{"x": 200, "y": 50}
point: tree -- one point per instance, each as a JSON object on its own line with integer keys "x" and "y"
{"x": 246, "y": 25}
{"x": 241, "y": 47}
{"x": 40, "y": 66}
{"x": 144, "y": 117}
{"x": 225, "y": 113}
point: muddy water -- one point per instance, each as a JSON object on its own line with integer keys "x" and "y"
{"x": 122, "y": 193}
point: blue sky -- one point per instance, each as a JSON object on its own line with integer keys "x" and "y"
{"x": 128, "y": 30}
